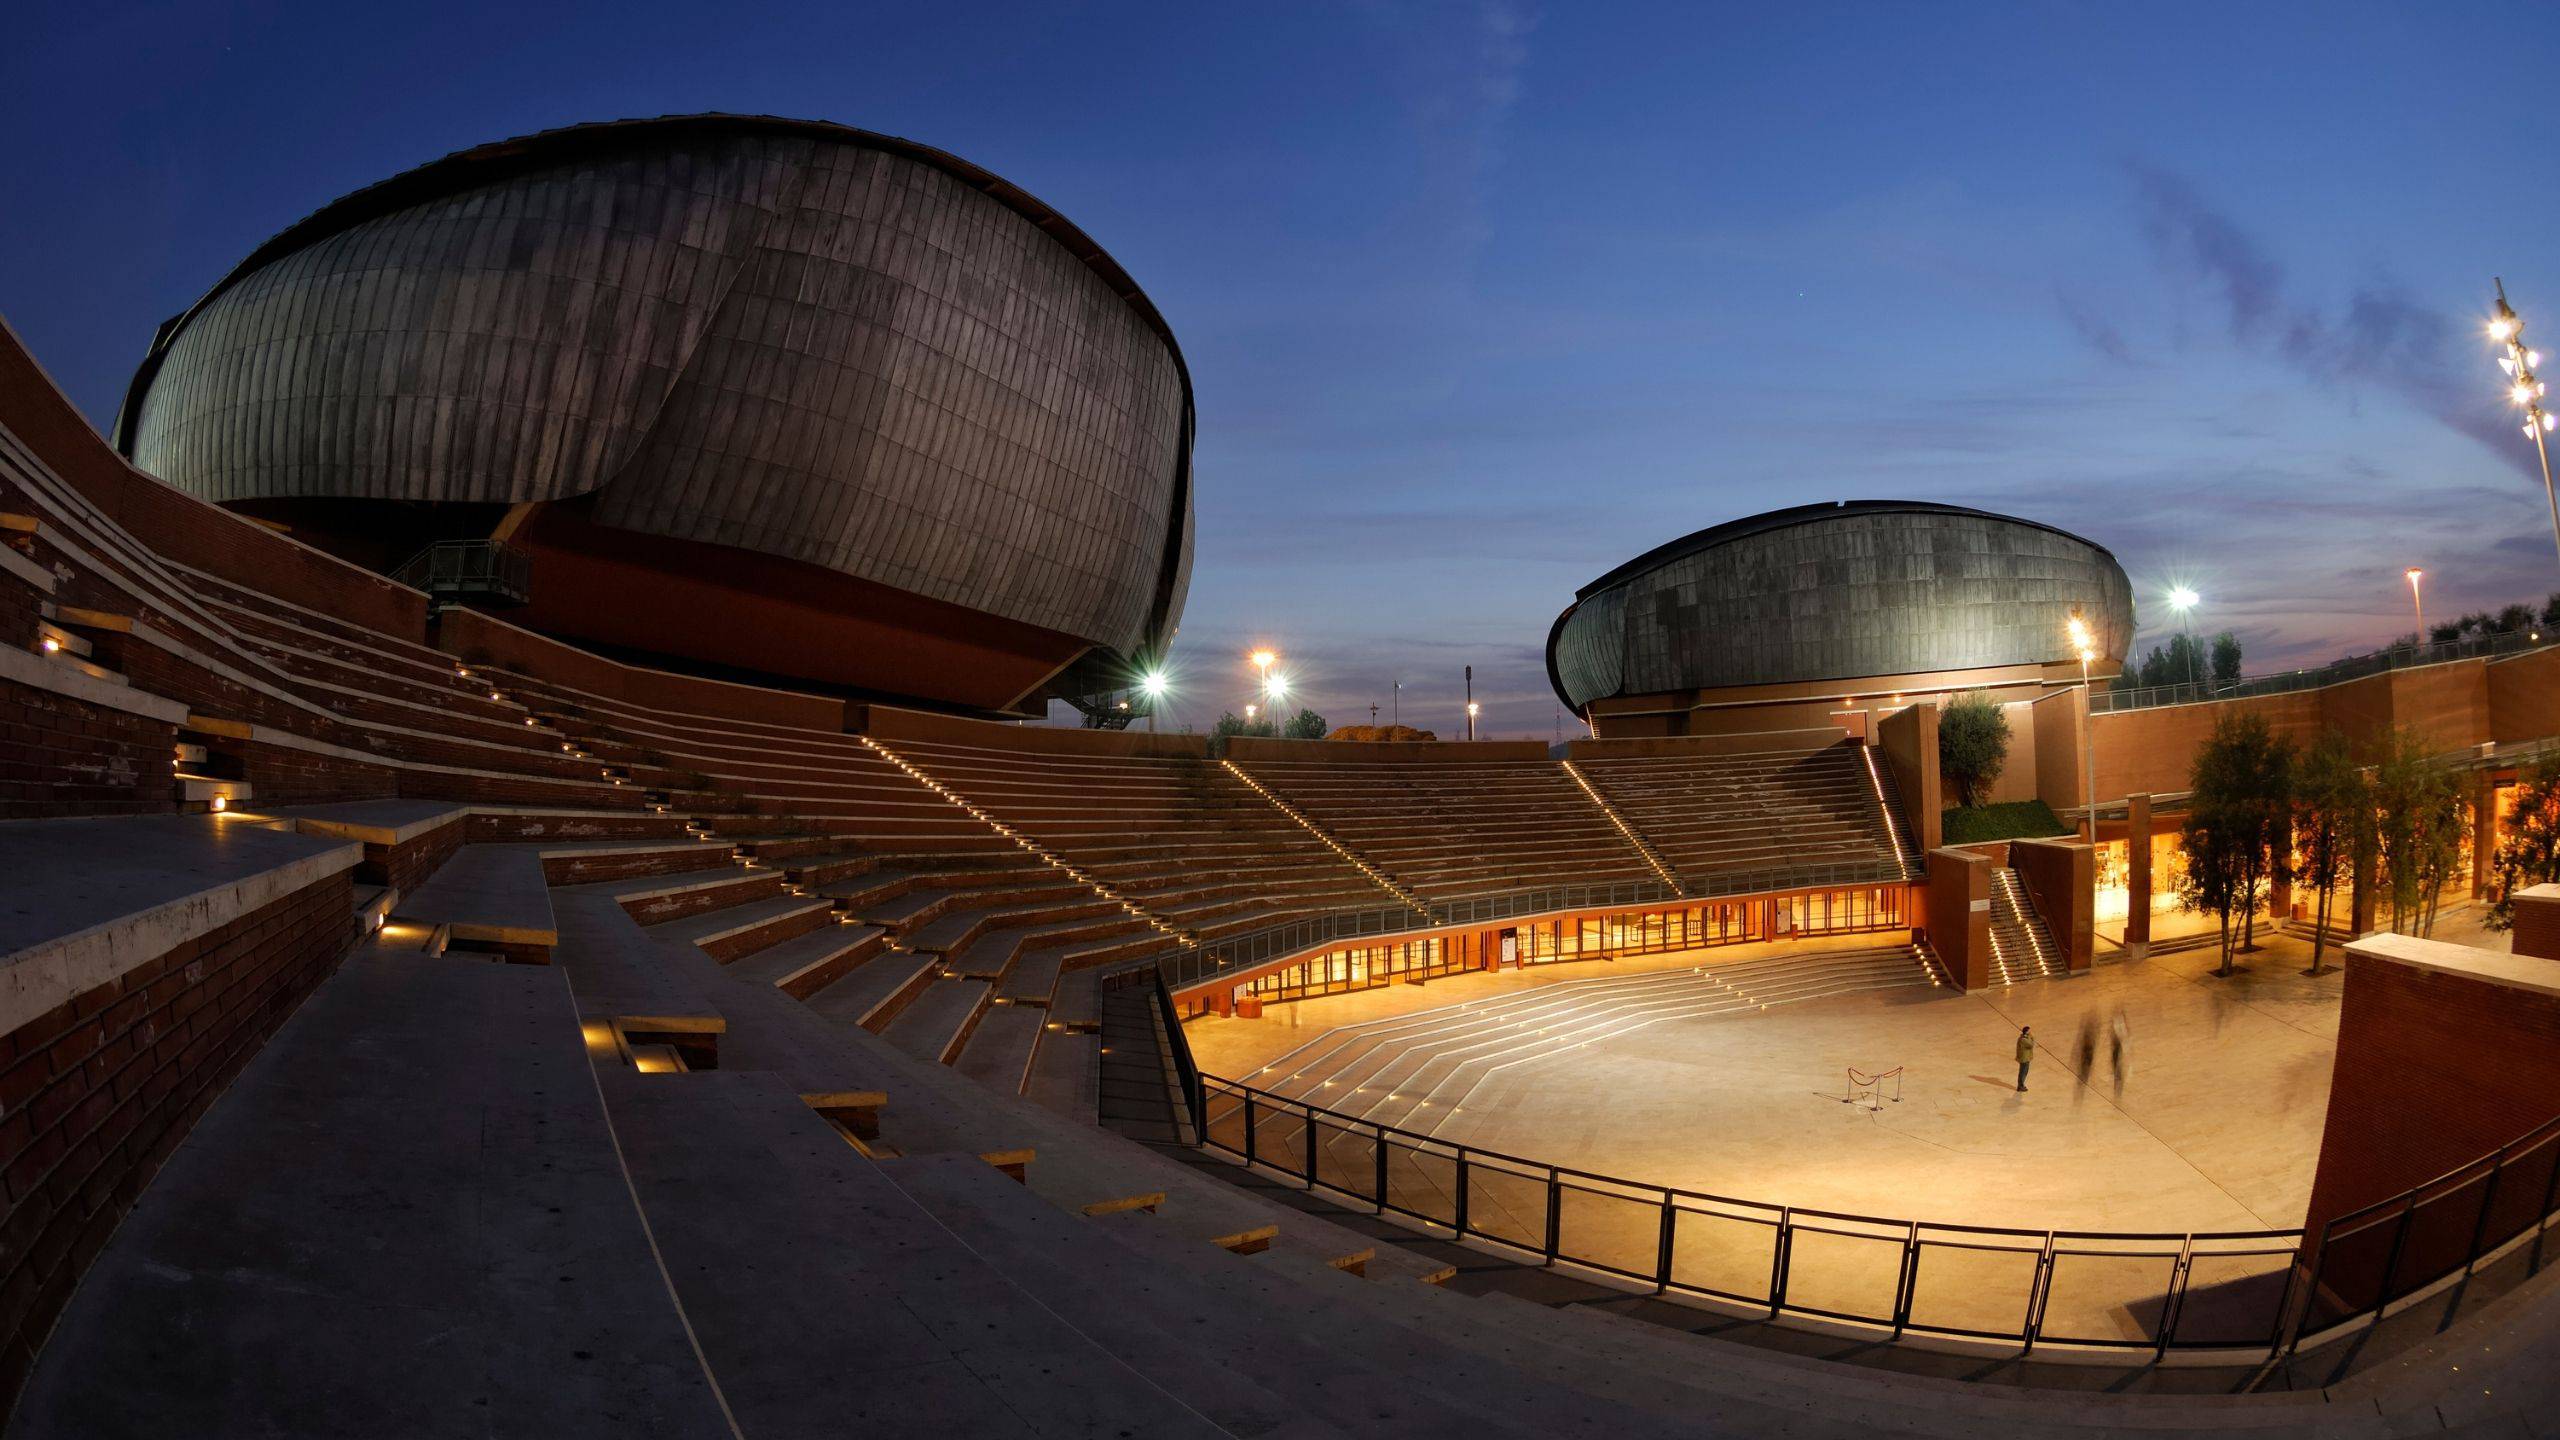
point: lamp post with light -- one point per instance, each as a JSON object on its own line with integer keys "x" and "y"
{"x": 2084, "y": 645}
{"x": 2419, "y": 605}
{"x": 2525, "y": 390}
{"x": 2184, "y": 601}
{"x": 1262, "y": 659}
{"x": 1152, "y": 685}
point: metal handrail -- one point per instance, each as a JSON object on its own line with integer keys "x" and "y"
{"x": 2353, "y": 667}
{"x": 469, "y": 567}
{"x": 1217, "y": 957}
{"x": 2324, "y": 1289}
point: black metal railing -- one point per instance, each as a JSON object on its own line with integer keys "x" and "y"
{"x": 2353, "y": 667}
{"x": 2246, "y": 1290}
{"x": 1219, "y": 956}
{"x": 1186, "y": 1071}
{"x": 475, "y": 569}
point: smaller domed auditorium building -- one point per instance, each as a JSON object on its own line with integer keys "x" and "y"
{"x": 1832, "y": 614}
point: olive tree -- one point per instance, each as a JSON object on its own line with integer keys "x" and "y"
{"x": 1973, "y": 746}
{"x": 2528, "y": 853}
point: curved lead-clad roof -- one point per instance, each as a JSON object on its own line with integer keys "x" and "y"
{"x": 782, "y": 335}
{"x": 1836, "y": 591}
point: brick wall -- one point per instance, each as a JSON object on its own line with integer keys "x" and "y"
{"x": 97, "y": 1092}
{"x": 2061, "y": 877}
{"x": 406, "y": 865}
{"x": 1959, "y": 930}
{"x": 2434, "y": 1069}
{"x": 2537, "y": 931}
{"x": 59, "y": 756}
{"x": 472, "y": 637}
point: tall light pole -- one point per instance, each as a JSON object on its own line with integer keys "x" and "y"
{"x": 2184, "y": 601}
{"x": 1153, "y": 684}
{"x": 1471, "y": 702}
{"x": 1262, "y": 659}
{"x": 2415, "y": 575}
{"x": 1395, "y": 705}
{"x": 2523, "y": 389}
{"x": 2084, "y": 645}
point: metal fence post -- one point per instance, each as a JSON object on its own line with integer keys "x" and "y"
{"x": 1555, "y": 1212}
{"x": 2480, "y": 1222}
{"x": 2173, "y": 1304}
{"x": 1249, "y": 1155}
{"x": 1458, "y": 1212}
{"x": 2039, "y": 1290}
{"x": 1908, "y": 1278}
{"x": 1662, "y": 1246}
{"x": 1311, "y": 1147}
{"x": 2391, "y": 1267}
{"x": 1778, "y": 1260}
{"x": 1381, "y": 1196}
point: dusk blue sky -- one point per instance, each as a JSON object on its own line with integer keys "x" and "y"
{"x": 1481, "y": 299}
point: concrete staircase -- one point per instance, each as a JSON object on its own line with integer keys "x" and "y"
{"x": 2021, "y": 947}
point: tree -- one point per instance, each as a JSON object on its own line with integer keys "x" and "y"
{"x": 2515, "y": 617}
{"x": 2418, "y": 829}
{"x": 2333, "y": 811}
{"x": 1231, "y": 723}
{"x": 2551, "y": 612}
{"x": 2238, "y": 824}
{"x": 1973, "y": 746}
{"x": 1305, "y": 725}
{"x": 2529, "y": 852}
{"x": 2226, "y": 659}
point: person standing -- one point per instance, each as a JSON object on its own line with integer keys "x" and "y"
{"x": 2026, "y": 1054}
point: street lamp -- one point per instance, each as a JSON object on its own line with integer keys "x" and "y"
{"x": 1471, "y": 719}
{"x": 2415, "y": 575}
{"x": 1262, "y": 659}
{"x": 2184, "y": 600}
{"x": 2085, "y": 646}
{"x": 2523, "y": 389}
{"x": 1153, "y": 686}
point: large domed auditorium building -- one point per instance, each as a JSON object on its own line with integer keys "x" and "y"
{"x": 738, "y": 395}
{"x": 1827, "y": 614}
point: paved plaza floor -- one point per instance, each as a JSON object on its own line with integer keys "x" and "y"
{"x": 2209, "y": 1121}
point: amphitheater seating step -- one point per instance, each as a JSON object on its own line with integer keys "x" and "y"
{"x": 405, "y": 1213}
{"x": 99, "y": 891}
{"x": 487, "y": 896}
{"x": 807, "y": 963}
{"x": 780, "y": 1235}
{"x": 875, "y": 987}
{"x": 932, "y": 1025}
{"x": 998, "y": 1053}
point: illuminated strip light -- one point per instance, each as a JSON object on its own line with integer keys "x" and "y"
{"x": 1892, "y": 832}
{"x": 1025, "y": 842}
{"x": 1771, "y": 981}
{"x": 1363, "y": 866}
{"x": 1625, "y": 829}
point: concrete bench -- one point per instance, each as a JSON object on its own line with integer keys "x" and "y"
{"x": 88, "y": 900}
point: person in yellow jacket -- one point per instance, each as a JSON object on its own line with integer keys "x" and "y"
{"x": 2026, "y": 1053}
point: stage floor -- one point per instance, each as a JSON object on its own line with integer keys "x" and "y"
{"x": 2212, "y": 1122}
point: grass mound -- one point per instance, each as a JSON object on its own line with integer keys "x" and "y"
{"x": 2016, "y": 820}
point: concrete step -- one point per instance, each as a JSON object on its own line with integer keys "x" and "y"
{"x": 740, "y": 930}
{"x": 807, "y": 963}
{"x": 873, "y": 990}
{"x": 998, "y": 1053}
{"x": 933, "y": 1024}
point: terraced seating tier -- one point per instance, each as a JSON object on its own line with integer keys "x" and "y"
{"x": 1455, "y": 830}
{"x": 1730, "y": 817}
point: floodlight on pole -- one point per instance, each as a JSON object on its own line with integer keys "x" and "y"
{"x": 1153, "y": 685}
{"x": 2415, "y": 603}
{"x": 2524, "y": 389}
{"x": 2184, "y": 601}
{"x": 2084, "y": 645}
